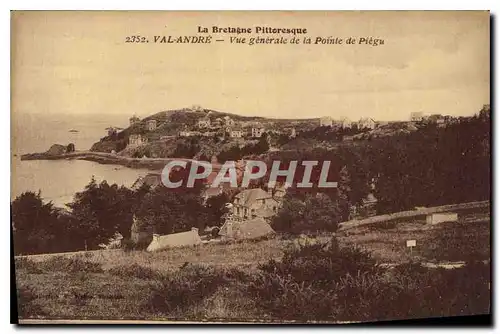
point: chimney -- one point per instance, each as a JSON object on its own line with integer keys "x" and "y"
{"x": 194, "y": 229}
{"x": 229, "y": 229}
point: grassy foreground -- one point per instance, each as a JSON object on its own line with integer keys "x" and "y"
{"x": 278, "y": 279}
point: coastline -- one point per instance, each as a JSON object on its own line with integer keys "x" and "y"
{"x": 105, "y": 158}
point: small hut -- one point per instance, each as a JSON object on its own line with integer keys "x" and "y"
{"x": 247, "y": 229}
{"x": 183, "y": 239}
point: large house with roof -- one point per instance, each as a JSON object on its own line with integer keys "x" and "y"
{"x": 257, "y": 132}
{"x": 204, "y": 122}
{"x": 325, "y": 121}
{"x": 151, "y": 124}
{"x": 134, "y": 120}
{"x": 236, "y": 133}
{"x": 367, "y": 123}
{"x": 251, "y": 203}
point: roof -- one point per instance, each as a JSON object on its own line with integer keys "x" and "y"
{"x": 249, "y": 196}
{"x": 151, "y": 179}
{"x": 264, "y": 212}
{"x": 189, "y": 238}
{"x": 248, "y": 229}
{"x": 370, "y": 198}
{"x": 210, "y": 192}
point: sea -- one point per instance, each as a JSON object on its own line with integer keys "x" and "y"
{"x": 59, "y": 180}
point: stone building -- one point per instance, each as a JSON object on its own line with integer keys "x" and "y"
{"x": 326, "y": 121}
{"x": 151, "y": 124}
{"x": 134, "y": 120}
{"x": 257, "y": 132}
{"x": 136, "y": 140}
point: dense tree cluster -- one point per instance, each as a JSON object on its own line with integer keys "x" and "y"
{"x": 429, "y": 167}
{"x": 236, "y": 153}
{"x": 101, "y": 210}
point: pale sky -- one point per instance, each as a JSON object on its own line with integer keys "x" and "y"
{"x": 78, "y": 63}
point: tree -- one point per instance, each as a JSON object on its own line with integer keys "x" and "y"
{"x": 344, "y": 192}
{"x": 100, "y": 211}
{"x": 34, "y": 223}
{"x": 216, "y": 208}
{"x": 172, "y": 210}
{"x": 316, "y": 213}
{"x": 70, "y": 148}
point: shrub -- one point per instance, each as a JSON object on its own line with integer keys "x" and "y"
{"x": 30, "y": 266}
{"x": 69, "y": 264}
{"x": 413, "y": 291}
{"x": 27, "y": 308}
{"x": 324, "y": 282}
{"x": 133, "y": 270}
{"x": 188, "y": 286}
{"x": 321, "y": 263}
{"x": 283, "y": 298}
{"x": 449, "y": 245}
{"x": 314, "y": 213}
{"x": 129, "y": 245}
{"x": 304, "y": 284}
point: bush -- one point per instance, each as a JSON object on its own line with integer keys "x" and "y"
{"x": 188, "y": 286}
{"x": 30, "y": 266}
{"x": 316, "y": 213}
{"x": 69, "y": 265}
{"x": 320, "y": 263}
{"x": 282, "y": 298}
{"x": 128, "y": 245}
{"x": 304, "y": 284}
{"x": 449, "y": 245}
{"x": 133, "y": 270}
{"x": 324, "y": 282}
{"x": 27, "y": 308}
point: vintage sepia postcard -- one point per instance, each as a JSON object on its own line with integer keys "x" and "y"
{"x": 250, "y": 167}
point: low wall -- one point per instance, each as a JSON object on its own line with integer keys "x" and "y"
{"x": 413, "y": 213}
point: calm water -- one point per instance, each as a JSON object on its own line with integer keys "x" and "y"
{"x": 59, "y": 180}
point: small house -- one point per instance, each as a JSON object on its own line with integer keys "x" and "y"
{"x": 367, "y": 208}
{"x": 257, "y": 132}
{"x": 326, "y": 121}
{"x": 228, "y": 121}
{"x": 204, "y": 123}
{"x": 248, "y": 229}
{"x": 367, "y": 123}
{"x": 236, "y": 134}
{"x": 151, "y": 124}
{"x": 134, "y": 120}
{"x": 345, "y": 123}
{"x": 136, "y": 140}
{"x": 183, "y": 239}
{"x": 416, "y": 116}
{"x": 139, "y": 232}
{"x": 441, "y": 217}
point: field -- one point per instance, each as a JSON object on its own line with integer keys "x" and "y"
{"x": 212, "y": 281}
